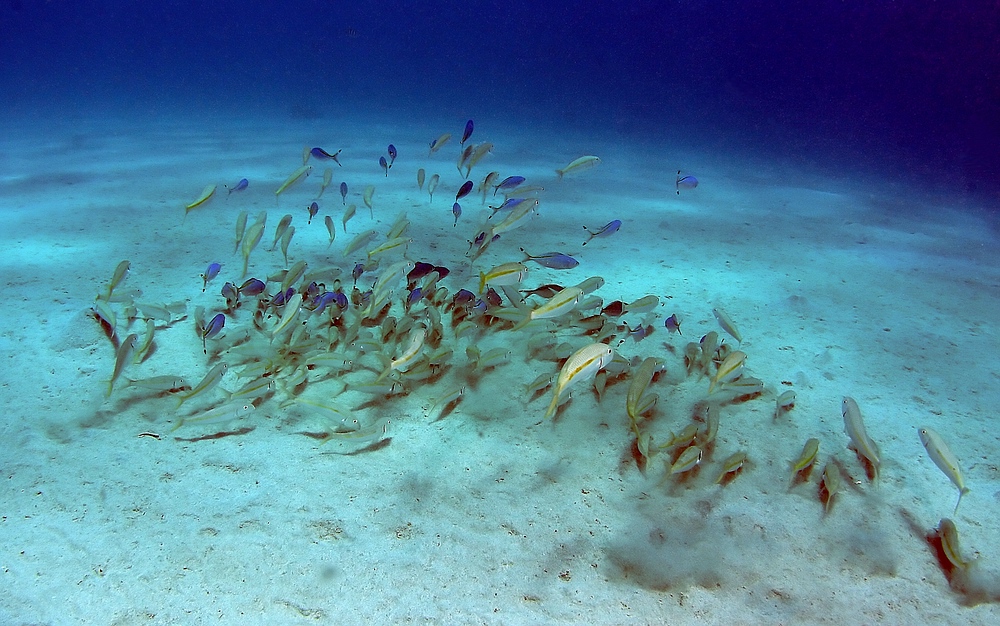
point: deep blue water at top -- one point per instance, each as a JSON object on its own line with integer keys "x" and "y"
{"x": 910, "y": 89}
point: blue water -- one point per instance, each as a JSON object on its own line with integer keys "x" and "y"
{"x": 818, "y": 131}
{"x": 906, "y": 89}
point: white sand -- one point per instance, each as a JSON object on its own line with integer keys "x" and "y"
{"x": 840, "y": 287}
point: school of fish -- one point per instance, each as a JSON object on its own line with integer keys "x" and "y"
{"x": 327, "y": 339}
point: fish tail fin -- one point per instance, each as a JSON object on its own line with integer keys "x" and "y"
{"x": 961, "y": 493}
{"x": 524, "y": 322}
{"x": 560, "y": 173}
{"x": 552, "y": 405}
{"x": 385, "y": 374}
{"x": 482, "y": 281}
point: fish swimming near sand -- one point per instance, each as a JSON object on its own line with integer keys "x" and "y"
{"x": 582, "y": 364}
{"x": 608, "y": 229}
{"x": 685, "y": 182}
{"x": 323, "y": 155}
{"x": 507, "y": 184}
{"x": 240, "y": 186}
{"x": 581, "y": 163}
{"x": 942, "y": 456}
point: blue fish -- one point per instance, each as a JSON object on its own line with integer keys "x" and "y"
{"x": 322, "y": 301}
{"x": 282, "y": 297}
{"x": 384, "y": 164}
{"x": 343, "y": 193}
{"x": 608, "y": 229}
{"x": 313, "y": 210}
{"x": 240, "y": 186}
{"x": 463, "y": 298}
{"x": 311, "y": 291}
{"x": 212, "y": 329}
{"x": 552, "y": 260}
{"x": 468, "y": 131}
{"x": 341, "y": 299}
{"x": 508, "y": 183}
{"x": 392, "y": 154}
{"x": 414, "y": 297}
{"x": 673, "y": 324}
{"x": 464, "y": 190}
{"x": 456, "y": 210}
{"x": 210, "y": 273}
{"x": 252, "y": 287}
{"x": 685, "y": 182}
{"x": 638, "y": 334}
{"x": 356, "y": 273}
{"x": 323, "y": 155}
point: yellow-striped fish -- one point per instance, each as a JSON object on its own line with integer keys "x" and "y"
{"x": 947, "y": 534}
{"x": 642, "y": 305}
{"x": 295, "y": 177}
{"x": 439, "y": 142}
{"x": 409, "y": 355}
{"x": 854, "y": 426}
{"x": 290, "y": 313}
{"x": 727, "y": 324}
{"x": 250, "y": 241}
{"x": 391, "y": 244}
{"x": 123, "y": 358}
{"x": 561, "y": 303}
{"x": 210, "y": 381}
{"x": 687, "y": 461}
{"x": 830, "y": 482}
{"x": 729, "y": 370}
{"x": 807, "y": 457}
{"x": 225, "y": 413}
{"x": 432, "y": 185}
{"x": 360, "y": 241}
{"x": 206, "y": 195}
{"x": 939, "y": 452}
{"x": 578, "y": 164}
{"x": 505, "y": 274}
{"x": 641, "y": 378}
{"x": 330, "y": 228}
{"x": 733, "y": 463}
{"x": 517, "y": 218}
{"x": 121, "y": 273}
{"x": 327, "y": 179}
{"x": 280, "y": 229}
{"x": 367, "y": 197}
{"x": 583, "y": 363}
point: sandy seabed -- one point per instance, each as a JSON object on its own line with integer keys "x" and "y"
{"x": 490, "y": 514}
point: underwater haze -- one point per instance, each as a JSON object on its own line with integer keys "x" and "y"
{"x": 499, "y": 313}
{"x": 908, "y": 87}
